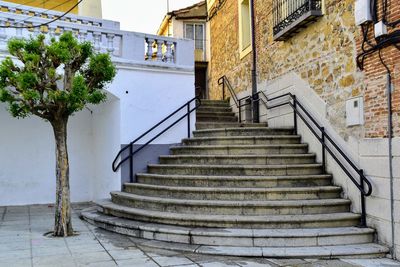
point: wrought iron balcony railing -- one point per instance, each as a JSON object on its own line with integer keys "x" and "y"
{"x": 292, "y": 15}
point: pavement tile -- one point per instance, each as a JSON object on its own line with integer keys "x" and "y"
{"x": 142, "y": 262}
{"x": 15, "y": 254}
{"x": 49, "y": 251}
{"x": 15, "y": 262}
{"x": 91, "y": 257}
{"x": 373, "y": 262}
{"x": 172, "y": 260}
{"x": 287, "y": 262}
{"x": 125, "y": 254}
{"x": 218, "y": 264}
{"x": 99, "y": 264}
{"x": 55, "y": 260}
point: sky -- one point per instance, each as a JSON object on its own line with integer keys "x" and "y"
{"x": 141, "y": 15}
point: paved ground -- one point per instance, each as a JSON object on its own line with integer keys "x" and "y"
{"x": 22, "y": 243}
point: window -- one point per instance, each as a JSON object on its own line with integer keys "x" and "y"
{"x": 244, "y": 27}
{"x": 195, "y": 31}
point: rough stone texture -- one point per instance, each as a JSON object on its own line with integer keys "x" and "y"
{"x": 324, "y": 54}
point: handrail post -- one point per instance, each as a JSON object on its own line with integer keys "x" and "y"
{"x": 323, "y": 149}
{"x": 130, "y": 163}
{"x": 240, "y": 111}
{"x": 188, "y": 119}
{"x": 223, "y": 88}
{"x": 294, "y": 114}
{"x": 363, "y": 222}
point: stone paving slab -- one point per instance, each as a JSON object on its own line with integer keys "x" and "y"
{"x": 23, "y": 244}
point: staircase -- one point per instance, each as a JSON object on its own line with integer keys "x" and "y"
{"x": 238, "y": 189}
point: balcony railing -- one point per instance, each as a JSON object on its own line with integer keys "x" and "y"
{"x": 19, "y": 21}
{"x": 292, "y": 15}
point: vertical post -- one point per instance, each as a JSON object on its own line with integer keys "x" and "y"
{"x": 254, "y": 65}
{"x": 363, "y": 222}
{"x": 223, "y": 88}
{"x": 131, "y": 162}
{"x": 188, "y": 119}
{"x": 323, "y": 149}
{"x": 295, "y": 114}
{"x": 240, "y": 111}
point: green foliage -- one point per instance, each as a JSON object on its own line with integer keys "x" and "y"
{"x": 31, "y": 84}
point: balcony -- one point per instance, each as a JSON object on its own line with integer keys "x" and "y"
{"x": 292, "y": 15}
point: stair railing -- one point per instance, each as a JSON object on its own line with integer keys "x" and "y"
{"x": 327, "y": 144}
{"x": 224, "y": 83}
{"x": 117, "y": 164}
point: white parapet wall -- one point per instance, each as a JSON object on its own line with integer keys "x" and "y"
{"x": 155, "y": 75}
{"x": 371, "y": 155}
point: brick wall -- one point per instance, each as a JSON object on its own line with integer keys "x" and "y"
{"x": 323, "y": 54}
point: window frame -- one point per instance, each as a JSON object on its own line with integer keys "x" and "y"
{"x": 244, "y": 50}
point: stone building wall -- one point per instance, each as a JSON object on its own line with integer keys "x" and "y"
{"x": 323, "y": 54}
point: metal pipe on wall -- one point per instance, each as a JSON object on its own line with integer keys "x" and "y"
{"x": 255, "y": 102}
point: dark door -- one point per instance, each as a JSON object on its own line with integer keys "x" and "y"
{"x": 200, "y": 77}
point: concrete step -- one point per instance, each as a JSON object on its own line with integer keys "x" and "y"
{"x": 240, "y": 149}
{"x": 225, "y": 207}
{"x": 234, "y": 181}
{"x": 232, "y": 193}
{"x": 229, "y": 170}
{"x": 215, "y": 113}
{"x": 207, "y": 102}
{"x": 207, "y": 118}
{"x": 243, "y": 140}
{"x": 216, "y": 125}
{"x": 264, "y": 221}
{"x": 239, "y": 159}
{"x": 243, "y": 131}
{"x": 283, "y": 238}
{"x": 213, "y": 109}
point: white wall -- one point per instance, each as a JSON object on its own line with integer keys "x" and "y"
{"x": 371, "y": 155}
{"x": 27, "y": 159}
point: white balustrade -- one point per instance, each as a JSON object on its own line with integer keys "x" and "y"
{"x": 105, "y": 36}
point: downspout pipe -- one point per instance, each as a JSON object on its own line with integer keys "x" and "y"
{"x": 390, "y": 143}
{"x": 255, "y": 104}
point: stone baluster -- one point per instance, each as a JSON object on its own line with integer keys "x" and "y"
{"x": 3, "y": 34}
{"x": 12, "y": 9}
{"x": 110, "y": 43}
{"x": 159, "y": 49}
{"x": 52, "y": 30}
{"x": 96, "y": 41}
{"x": 169, "y": 55}
{"x": 25, "y": 12}
{"x": 18, "y": 30}
{"x": 83, "y": 35}
{"x": 37, "y": 14}
{"x": 85, "y": 22}
{"x": 50, "y": 16}
{"x": 36, "y": 31}
{"x": 150, "y": 42}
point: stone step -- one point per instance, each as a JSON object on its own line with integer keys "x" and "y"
{"x": 216, "y": 125}
{"x": 283, "y": 238}
{"x": 207, "y": 193}
{"x": 243, "y": 131}
{"x": 207, "y": 102}
{"x": 215, "y": 113}
{"x": 243, "y": 140}
{"x": 240, "y": 149}
{"x": 212, "y": 119}
{"x": 229, "y": 170}
{"x": 225, "y": 207}
{"x": 213, "y": 109}
{"x": 234, "y": 181}
{"x": 239, "y": 159}
{"x": 264, "y": 221}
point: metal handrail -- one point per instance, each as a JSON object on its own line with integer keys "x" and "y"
{"x": 323, "y": 137}
{"x": 224, "y": 81}
{"x": 129, "y": 157}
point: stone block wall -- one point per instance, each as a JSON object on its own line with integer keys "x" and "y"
{"x": 323, "y": 54}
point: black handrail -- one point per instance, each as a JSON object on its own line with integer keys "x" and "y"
{"x": 294, "y": 103}
{"x": 129, "y": 157}
{"x": 224, "y": 82}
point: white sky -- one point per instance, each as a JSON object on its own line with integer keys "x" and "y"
{"x": 141, "y": 15}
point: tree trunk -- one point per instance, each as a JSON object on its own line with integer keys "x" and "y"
{"x": 63, "y": 223}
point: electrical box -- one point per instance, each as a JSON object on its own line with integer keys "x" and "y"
{"x": 355, "y": 111}
{"x": 380, "y": 29}
{"x": 363, "y": 12}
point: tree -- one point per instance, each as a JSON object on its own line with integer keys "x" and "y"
{"x": 53, "y": 81}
